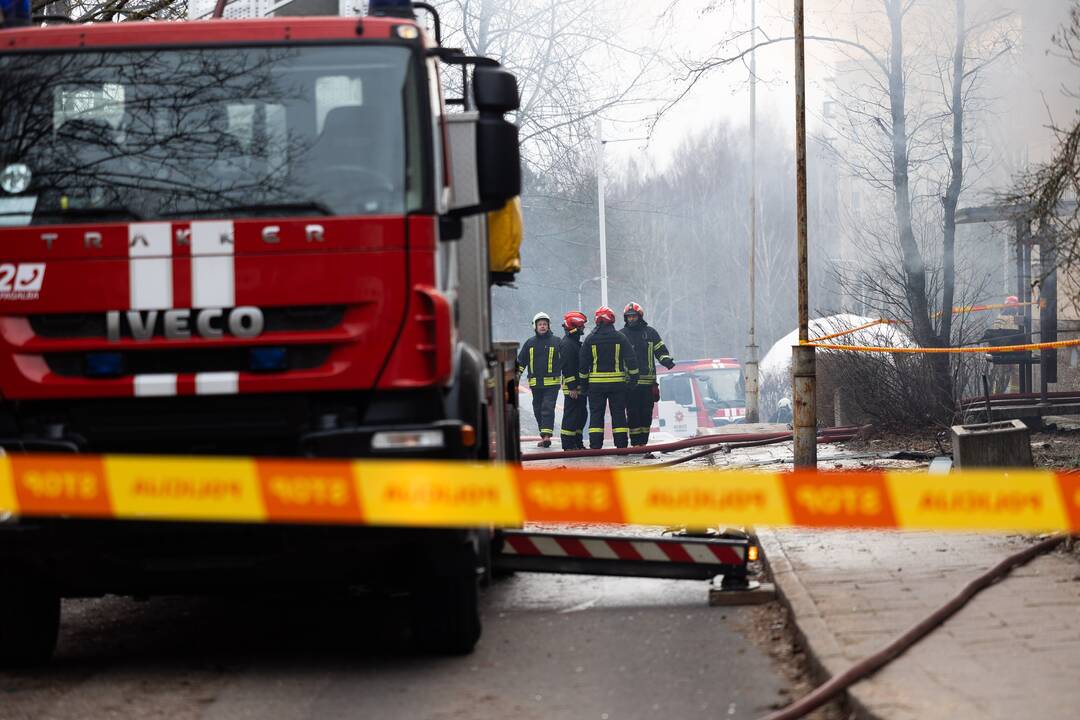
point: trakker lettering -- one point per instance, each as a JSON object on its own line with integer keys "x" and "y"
{"x": 180, "y": 324}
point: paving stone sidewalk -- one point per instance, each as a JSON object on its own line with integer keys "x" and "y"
{"x": 1012, "y": 652}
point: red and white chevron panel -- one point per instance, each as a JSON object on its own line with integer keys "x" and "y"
{"x": 688, "y": 551}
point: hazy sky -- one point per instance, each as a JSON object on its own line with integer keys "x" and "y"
{"x": 690, "y": 30}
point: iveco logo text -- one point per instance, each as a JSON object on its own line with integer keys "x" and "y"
{"x": 242, "y": 322}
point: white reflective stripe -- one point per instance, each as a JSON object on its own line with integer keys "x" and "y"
{"x": 548, "y": 546}
{"x": 213, "y": 282}
{"x": 149, "y": 240}
{"x": 701, "y": 554}
{"x": 155, "y": 385}
{"x": 149, "y": 266}
{"x": 650, "y": 551}
{"x": 217, "y": 383}
{"x": 599, "y": 549}
{"x": 212, "y": 237}
{"x": 150, "y": 283}
{"x": 213, "y": 270}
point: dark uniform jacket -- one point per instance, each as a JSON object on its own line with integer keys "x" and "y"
{"x": 540, "y": 356}
{"x": 607, "y": 357}
{"x": 648, "y": 350}
{"x": 570, "y": 357}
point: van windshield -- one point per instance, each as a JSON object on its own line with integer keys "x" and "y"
{"x": 125, "y": 135}
{"x": 721, "y": 387}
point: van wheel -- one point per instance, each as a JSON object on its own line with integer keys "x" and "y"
{"x": 29, "y": 622}
{"x": 445, "y": 609}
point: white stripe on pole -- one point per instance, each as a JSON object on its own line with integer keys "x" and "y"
{"x": 650, "y": 551}
{"x": 213, "y": 270}
{"x": 599, "y": 549}
{"x": 548, "y": 546}
{"x": 701, "y": 554}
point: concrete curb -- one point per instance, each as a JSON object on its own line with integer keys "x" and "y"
{"x": 819, "y": 643}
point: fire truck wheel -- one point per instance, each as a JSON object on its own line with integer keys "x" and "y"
{"x": 29, "y": 621}
{"x": 446, "y": 610}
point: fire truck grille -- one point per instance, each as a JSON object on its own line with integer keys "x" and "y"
{"x": 300, "y": 318}
{"x": 239, "y": 359}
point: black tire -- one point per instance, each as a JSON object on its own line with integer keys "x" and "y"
{"x": 29, "y": 622}
{"x": 445, "y": 608}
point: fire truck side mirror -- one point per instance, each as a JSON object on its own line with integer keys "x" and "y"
{"x": 495, "y": 90}
{"x": 498, "y": 157}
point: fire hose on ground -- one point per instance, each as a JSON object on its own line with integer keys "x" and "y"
{"x": 871, "y": 664}
{"x": 831, "y": 437}
{"x": 825, "y": 434}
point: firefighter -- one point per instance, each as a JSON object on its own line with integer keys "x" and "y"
{"x": 575, "y": 404}
{"x": 649, "y": 349}
{"x": 1007, "y": 329}
{"x": 540, "y": 356}
{"x": 609, "y": 366}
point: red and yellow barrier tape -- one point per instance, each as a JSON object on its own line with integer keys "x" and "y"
{"x": 450, "y": 494}
{"x": 962, "y": 310}
{"x": 943, "y": 350}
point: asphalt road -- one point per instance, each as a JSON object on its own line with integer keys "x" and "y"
{"x": 553, "y": 647}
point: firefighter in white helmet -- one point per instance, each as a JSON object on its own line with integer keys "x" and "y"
{"x": 540, "y": 357}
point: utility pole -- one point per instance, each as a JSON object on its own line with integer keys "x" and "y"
{"x": 804, "y": 380}
{"x": 752, "y": 402}
{"x": 600, "y": 206}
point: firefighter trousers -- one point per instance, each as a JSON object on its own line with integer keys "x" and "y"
{"x": 639, "y": 407}
{"x": 613, "y": 395}
{"x": 574, "y": 415}
{"x": 544, "y": 408}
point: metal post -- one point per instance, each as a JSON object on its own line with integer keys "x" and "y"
{"x": 1048, "y": 302}
{"x": 1023, "y": 294}
{"x": 804, "y": 379}
{"x": 603, "y": 221}
{"x": 752, "y": 397}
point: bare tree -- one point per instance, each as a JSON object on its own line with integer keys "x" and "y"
{"x": 1047, "y": 187}
{"x": 85, "y": 11}
{"x": 562, "y": 52}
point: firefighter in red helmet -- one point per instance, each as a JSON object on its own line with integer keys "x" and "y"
{"x": 575, "y": 404}
{"x": 609, "y": 366}
{"x": 649, "y": 349}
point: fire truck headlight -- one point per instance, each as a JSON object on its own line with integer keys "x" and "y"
{"x": 104, "y": 364}
{"x": 407, "y": 440}
{"x": 268, "y": 359}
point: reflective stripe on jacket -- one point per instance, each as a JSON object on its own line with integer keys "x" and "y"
{"x": 570, "y": 359}
{"x": 540, "y": 357}
{"x": 607, "y": 357}
{"x": 649, "y": 349}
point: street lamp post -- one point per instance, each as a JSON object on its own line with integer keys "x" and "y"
{"x": 602, "y": 219}
{"x": 753, "y": 414}
{"x": 580, "y": 286}
{"x": 601, "y": 206}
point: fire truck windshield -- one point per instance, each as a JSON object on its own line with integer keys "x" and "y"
{"x": 226, "y": 131}
{"x": 721, "y": 387}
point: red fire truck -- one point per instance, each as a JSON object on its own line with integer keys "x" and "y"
{"x": 250, "y": 237}
{"x": 710, "y": 390}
